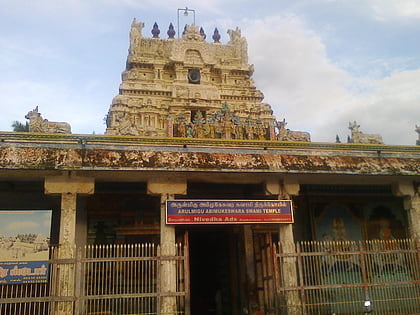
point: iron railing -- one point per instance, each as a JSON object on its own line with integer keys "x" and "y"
{"x": 348, "y": 277}
{"x": 105, "y": 279}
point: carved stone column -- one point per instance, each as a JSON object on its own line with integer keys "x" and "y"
{"x": 68, "y": 187}
{"x": 411, "y": 193}
{"x": 289, "y": 271}
{"x": 167, "y": 188}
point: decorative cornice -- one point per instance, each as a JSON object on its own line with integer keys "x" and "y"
{"x": 15, "y": 138}
{"x": 90, "y": 157}
{"x": 145, "y": 92}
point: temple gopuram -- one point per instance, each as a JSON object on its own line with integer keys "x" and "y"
{"x": 190, "y": 88}
{"x": 197, "y": 200}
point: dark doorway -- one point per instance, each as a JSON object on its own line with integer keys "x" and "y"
{"x": 212, "y": 261}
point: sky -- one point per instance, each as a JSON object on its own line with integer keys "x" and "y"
{"x": 13, "y": 223}
{"x": 319, "y": 63}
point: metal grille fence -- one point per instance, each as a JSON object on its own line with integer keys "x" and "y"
{"x": 36, "y": 298}
{"x": 379, "y": 277}
{"x": 105, "y": 279}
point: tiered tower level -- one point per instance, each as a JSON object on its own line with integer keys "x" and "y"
{"x": 188, "y": 87}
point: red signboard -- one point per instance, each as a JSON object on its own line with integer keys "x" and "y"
{"x": 228, "y": 211}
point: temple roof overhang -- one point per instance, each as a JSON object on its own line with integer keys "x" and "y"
{"x": 95, "y": 153}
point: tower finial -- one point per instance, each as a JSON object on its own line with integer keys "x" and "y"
{"x": 171, "y": 31}
{"x": 216, "y": 36}
{"x": 202, "y": 33}
{"x": 155, "y": 30}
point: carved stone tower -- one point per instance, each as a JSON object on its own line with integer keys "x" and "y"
{"x": 188, "y": 87}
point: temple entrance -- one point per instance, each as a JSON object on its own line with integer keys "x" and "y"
{"x": 215, "y": 271}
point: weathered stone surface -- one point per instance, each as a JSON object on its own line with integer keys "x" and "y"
{"x": 167, "y": 185}
{"x": 199, "y": 159}
{"x": 69, "y": 185}
{"x": 414, "y": 215}
{"x": 39, "y": 158}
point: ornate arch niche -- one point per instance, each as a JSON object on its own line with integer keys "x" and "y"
{"x": 193, "y": 57}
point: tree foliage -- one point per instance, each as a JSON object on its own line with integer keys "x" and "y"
{"x": 20, "y": 127}
{"x": 27, "y": 238}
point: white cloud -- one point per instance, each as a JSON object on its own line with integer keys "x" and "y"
{"x": 294, "y": 73}
{"x": 392, "y": 108}
{"x": 401, "y": 85}
{"x": 392, "y": 9}
{"x": 313, "y": 94}
{"x": 384, "y": 10}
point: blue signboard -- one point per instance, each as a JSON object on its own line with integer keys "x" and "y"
{"x": 23, "y": 272}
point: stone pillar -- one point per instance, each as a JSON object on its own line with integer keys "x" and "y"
{"x": 169, "y": 127}
{"x": 413, "y": 205}
{"x": 68, "y": 187}
{"x": 167, "y": 188}
{"x": 289, "y": 266}
{"x": 273, "y": 135}
{"x": 250, "y": 270}
{"x": 411, "y": 193}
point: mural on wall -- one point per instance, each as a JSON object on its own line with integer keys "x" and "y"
{"x": 24, "y": 246}
{"x": 354, "y": 222}
{"x": 385, "y": 222}
{"x": 337, "y": 223}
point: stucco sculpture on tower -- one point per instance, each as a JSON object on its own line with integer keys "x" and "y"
{"x": 135, "y": 34}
